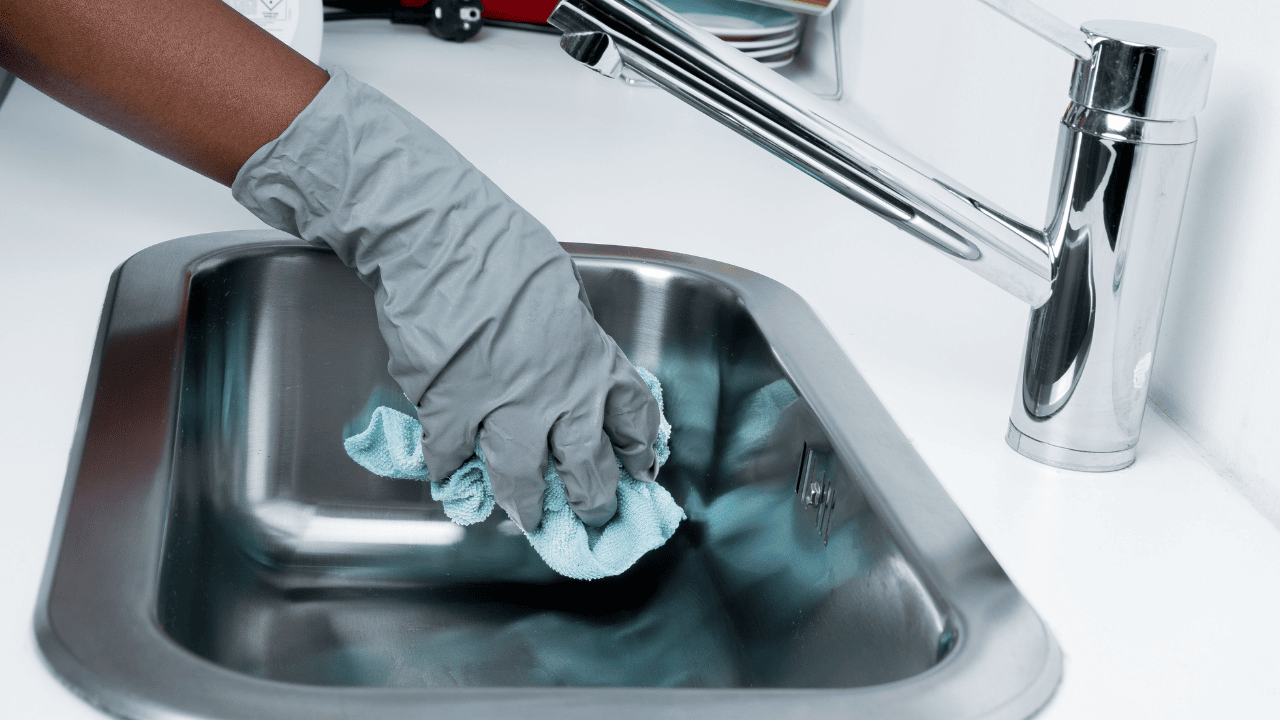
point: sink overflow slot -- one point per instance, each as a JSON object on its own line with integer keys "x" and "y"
{"x": 815, "y": 489}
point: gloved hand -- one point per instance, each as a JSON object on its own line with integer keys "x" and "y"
{"x": 488, "y": 327}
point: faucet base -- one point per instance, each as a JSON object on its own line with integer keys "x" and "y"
{"x": 1066, "y": 458}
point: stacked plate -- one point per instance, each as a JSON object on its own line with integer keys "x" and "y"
{"x": 768, "y": 34}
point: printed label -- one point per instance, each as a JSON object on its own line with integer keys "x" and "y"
{"x": 278, "y": 17}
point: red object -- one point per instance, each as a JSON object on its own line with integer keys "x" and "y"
{"x": 525, "y": 11}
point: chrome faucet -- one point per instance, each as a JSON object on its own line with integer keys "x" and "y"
{"x": 1095, "y": 276}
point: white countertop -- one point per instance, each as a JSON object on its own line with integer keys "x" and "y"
{"x": 1159, "y": 581}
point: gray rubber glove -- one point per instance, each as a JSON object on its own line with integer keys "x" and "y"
{"x": 483, "y": 312}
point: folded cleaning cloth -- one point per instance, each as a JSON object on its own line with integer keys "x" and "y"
{"x": 647, "y": 514}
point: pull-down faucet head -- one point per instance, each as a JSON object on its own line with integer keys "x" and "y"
{"x": 1095, "y": 276}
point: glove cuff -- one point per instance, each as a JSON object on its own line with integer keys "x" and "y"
{"x": 338, "y": 175}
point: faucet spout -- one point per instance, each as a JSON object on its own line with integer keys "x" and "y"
{"x": 1095, "y": 276}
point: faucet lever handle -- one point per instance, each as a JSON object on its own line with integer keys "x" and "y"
{"x": 1045, "y": 24}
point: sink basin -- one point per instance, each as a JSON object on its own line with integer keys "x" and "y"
{"x": 218, "y": 555}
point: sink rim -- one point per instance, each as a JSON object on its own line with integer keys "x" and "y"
{"x": 113, "y": 653}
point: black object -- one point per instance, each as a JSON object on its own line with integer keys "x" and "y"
{"x": 455, "y": 20}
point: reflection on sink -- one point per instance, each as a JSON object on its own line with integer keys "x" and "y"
{"x": 219, "y": 555}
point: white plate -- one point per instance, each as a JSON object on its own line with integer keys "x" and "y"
{"x": 777, "y": 61}
{"x": 731, "y": 19}
{"x": 771, "y": 51}
{"x": 777, "y": 41}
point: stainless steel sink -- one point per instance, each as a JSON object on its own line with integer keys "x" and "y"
{"x": 217, "y": 554}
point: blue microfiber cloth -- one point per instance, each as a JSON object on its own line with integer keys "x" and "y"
{"x": 647, "y": 514}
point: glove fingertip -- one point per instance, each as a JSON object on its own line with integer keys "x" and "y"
{"x": 516, "y": 465}
{"x": 528, "y": 519}
{"x": 590, "y": 473}
{"x": 643, "y": 467}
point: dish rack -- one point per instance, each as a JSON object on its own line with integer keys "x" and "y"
{"x": 805, "y": 49}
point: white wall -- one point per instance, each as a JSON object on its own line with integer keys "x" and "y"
{"x": 979, "y": 97}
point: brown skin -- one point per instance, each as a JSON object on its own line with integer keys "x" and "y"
{"x": 192, "y": 80}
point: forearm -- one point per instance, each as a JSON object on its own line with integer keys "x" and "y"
{"x": 192, "y": 80}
